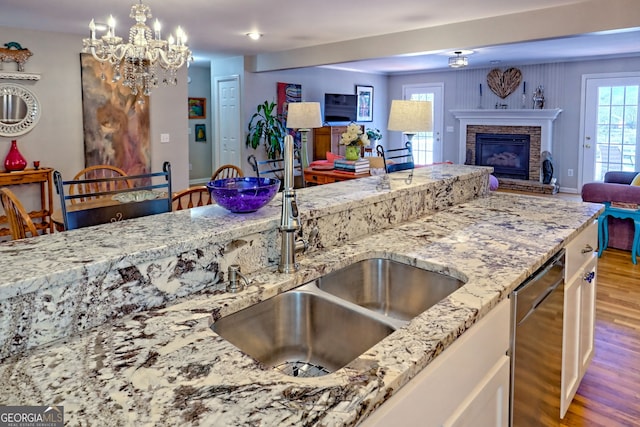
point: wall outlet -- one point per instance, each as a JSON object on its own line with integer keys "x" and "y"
{"x": 569, "y": 172}
{"x": 164, "y": 138}
{"x": 190, "y": 167}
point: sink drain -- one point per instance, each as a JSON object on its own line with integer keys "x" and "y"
{"x": 302, "y": 369}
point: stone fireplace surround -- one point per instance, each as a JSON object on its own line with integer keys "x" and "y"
{"x": 536, "y": 123}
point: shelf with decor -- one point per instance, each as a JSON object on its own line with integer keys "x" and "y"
{"x": 18, "y": 75}
{"x": 327, "y": 138}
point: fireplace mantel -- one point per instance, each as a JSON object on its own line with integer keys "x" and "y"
{"x": 498, "y": 114}
{"x": 517, "y": 117}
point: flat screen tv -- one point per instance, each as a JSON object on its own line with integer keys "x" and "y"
{"x": 339, "y": 107}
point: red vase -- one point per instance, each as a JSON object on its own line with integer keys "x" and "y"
{"x": 14, "y": 160}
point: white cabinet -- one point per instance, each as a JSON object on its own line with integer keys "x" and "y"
{"x": 466, "y": 385}
{"x": 579, "y": 312}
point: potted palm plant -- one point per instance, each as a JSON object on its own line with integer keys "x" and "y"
{"x": 266, "y": 126}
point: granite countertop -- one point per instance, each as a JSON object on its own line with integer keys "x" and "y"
{"x": 164, "y": 366}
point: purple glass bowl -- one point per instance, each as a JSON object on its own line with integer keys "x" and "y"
{"x": 242, "y": 195}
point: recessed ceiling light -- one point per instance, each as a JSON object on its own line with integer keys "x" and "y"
{"x": 254, "y": 36}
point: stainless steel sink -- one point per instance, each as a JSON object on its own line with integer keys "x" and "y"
{"x": 392, "y": 288}
{"x": 323, "y": 325}
{"x": 302, "y": 333}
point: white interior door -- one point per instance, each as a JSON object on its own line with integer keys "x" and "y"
{"x": 427, "y": 146}
{"x": 610, "y": 116}
{"x": 228, "y": 130}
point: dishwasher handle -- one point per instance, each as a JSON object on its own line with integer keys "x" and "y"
{"x": 555, "y": 267}
{"x": 541, "y": 299}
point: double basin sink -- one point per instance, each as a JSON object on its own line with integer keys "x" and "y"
{"x": 323, "y": 325}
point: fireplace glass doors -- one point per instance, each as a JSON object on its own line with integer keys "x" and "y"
{"x": 507, "y": 153}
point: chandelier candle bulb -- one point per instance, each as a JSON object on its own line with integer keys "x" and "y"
{"x": 112, "y": 26}
{"x": 156, "y": 29}
{"x": 92, "y": 27}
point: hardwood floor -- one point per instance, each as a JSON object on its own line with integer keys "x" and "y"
{"x": 609, "y": 395}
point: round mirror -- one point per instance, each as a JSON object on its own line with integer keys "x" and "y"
{"x": 19, "y": 110}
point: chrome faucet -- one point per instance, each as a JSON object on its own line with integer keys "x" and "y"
{"x": 290, "y": 227}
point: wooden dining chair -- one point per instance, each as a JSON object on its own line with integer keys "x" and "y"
{"x": 274, "y": 168}
{"x": 227, "y": 171}
{"x": 397, "y": 159}
{"x": 97, "y": 172}
{"x": 20, "y": 222}
{"x": 191, "y": 197}
{"x": 150, "y": 195}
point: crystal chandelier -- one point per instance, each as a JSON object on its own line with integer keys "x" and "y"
{"x": 140, "y": 62}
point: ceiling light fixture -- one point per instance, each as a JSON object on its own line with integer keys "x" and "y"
{"x": 145, "y": 56}
{"x": 458, "y": 61}
{"x": 254, "y": 36}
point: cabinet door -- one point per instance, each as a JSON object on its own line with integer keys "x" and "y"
{"x": 456, "y": 386}
{"x": 588, "y": 314}
{"x": 488, "y": 404}
{"x": 336, "y": 134}
{"x": 579, "y": 314}
{"x": 570, "y": 343}
{"x": 321, "y": 142}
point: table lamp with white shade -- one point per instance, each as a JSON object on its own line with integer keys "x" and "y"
{"x": 410, "y": 117}
{"x": 303, "y": 116}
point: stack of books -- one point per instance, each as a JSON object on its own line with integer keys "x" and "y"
{"x": 352, "y": 167}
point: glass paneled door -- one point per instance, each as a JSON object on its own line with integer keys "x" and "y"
{"x": 611, "y": 126}
{"x": 427, "y": 146}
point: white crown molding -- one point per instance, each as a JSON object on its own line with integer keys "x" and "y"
{"x": 18, "y": 75}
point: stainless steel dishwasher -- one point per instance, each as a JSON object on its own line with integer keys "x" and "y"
{"x": 536, "y": 346}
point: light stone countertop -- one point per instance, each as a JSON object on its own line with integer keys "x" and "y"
{"x": 164, "y": 365}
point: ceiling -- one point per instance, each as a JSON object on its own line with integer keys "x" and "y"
{"x": 218, "y": 28}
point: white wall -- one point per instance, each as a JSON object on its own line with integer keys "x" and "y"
{"x": 562, "y": 89}
{"x": 315, "y": 83}
{"x": 57, "y": 140}
{"x": 200, "y": 153}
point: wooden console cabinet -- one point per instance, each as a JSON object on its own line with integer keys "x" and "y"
{"x": 327, "y": 138}
{"x": 42, "y": 176}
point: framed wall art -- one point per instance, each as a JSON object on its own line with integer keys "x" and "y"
{"x": 365, "y": 103}
{"x": 116, "y": 125}
{"x": 197, "y": 108}
{"x": 201, "y": 133}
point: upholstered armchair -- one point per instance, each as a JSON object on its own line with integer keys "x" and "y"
{"x": 615, "y": 188}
